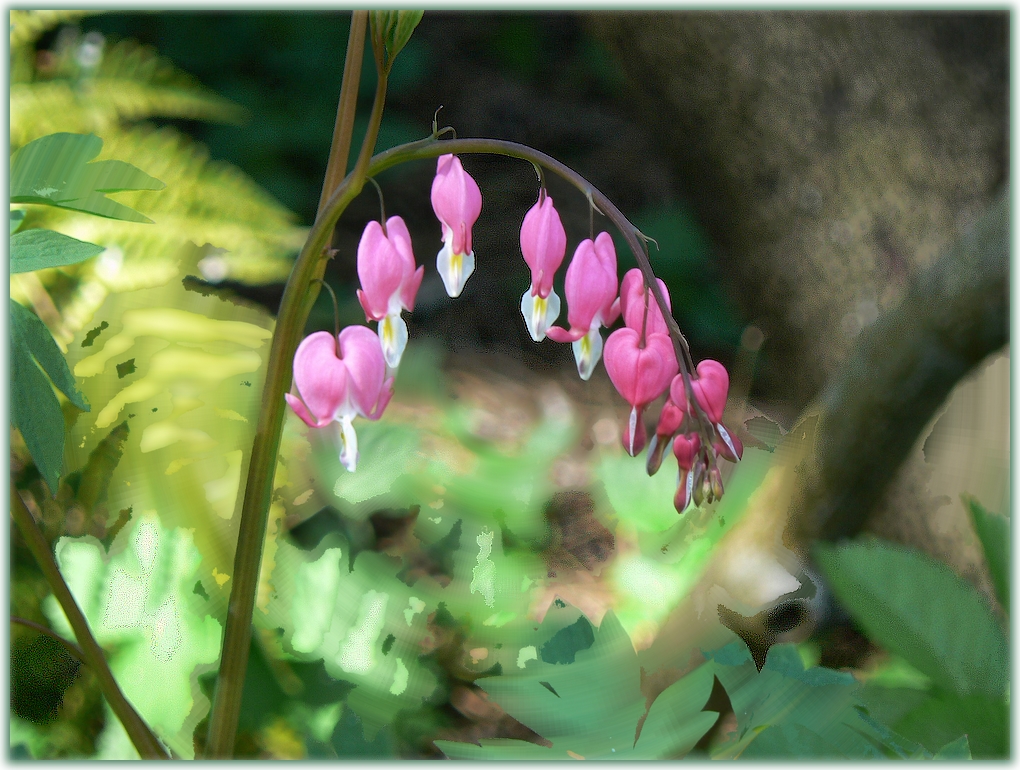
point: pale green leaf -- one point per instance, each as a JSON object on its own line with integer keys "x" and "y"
{"x": 40, "y": 249}
{"x": 56, "y": 170}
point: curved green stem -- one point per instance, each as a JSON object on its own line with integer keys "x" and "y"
{"x": 298, "y": 297}
{"x": 431, "y": 148}
{"x": 144, "y": 740}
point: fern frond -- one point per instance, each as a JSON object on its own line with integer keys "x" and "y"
{"x": 204, "y": 202}
{"x": 49, "y": 107}
{"x": 27, "y": 26}
{"x": 136, "y": 82}
{"x": 131, "y": 83}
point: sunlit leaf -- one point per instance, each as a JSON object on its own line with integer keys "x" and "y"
{"x": 39, "y": 249}
{"x": 56, "y": 170}
{"x": 139, "y": 603}
{"x": 919, "y": 609}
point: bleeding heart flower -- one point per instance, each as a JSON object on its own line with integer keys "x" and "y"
{"x": 389, "y": 282}
{"x": 457, "y": 202}
{"x": 669, "y": 422}
{"x": 590, "y": 286}
{"x": 641, "y": 373}
{"x": 711, "y": 387}
{"x": 543, "y": 244}
{"x": 633, "y": 297}
{"x": 686, "y": 450}
{"x": 336, "y": 388}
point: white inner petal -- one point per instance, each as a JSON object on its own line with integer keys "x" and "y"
{"x": 539, "y": 314}
{"x": 393, "y": 336}
{"x": 348, "y": 443}
{"x": 453, "y": 268}
{"x": 587, "y": 352}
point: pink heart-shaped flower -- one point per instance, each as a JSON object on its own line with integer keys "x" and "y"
{"x": 711, "y": 387}
{"x": 640, "y": 374}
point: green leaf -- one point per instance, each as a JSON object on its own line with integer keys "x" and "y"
{"x": 590, "y": 708}
{"x": 917, "y": 608}
{"x": 958, "y": 749}
{"x": 55, "y": 170}
{"x": 993, "y": 532}
{"x": 17, "y": 218}
{"x": 788, "y": 741}
{"x": 38, "y": 249}
{"x": 944, "y": 716}
{"x": 36, "y": 412}
{"x": 31, "y": 333}
{"x": 820, "y": 700}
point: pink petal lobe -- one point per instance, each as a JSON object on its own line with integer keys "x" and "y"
{"x": 639, "y": 374}
{"x": 320, "y": 377}
{"x": 380, "y": 268}
{"x": 543, "y": 244}
{"x": 363, "y": 358}
{"x": 456, "y": 200}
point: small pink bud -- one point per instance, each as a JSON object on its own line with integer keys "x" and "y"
{"x": 715, "y": 480}
{"x": 457, "y": 202}
{"x": 632, "y": 303}
{"x": 656, "y": 449}
{"x": 686, "y": 450}
{"x": 728, "y": 446}
{"x": 669, "y": 419}
{"x": 711, "y": 387}
{"x": 634, "y": 433}
{"x": 684, "y": 491}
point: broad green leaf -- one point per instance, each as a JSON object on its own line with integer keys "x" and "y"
{"x": 39, "y": 249}
{"x": 958, "y": 749}
{"x": 589, "y": 709}
{"x": 993, "y": 532}
{"x": 917, "y": 608}
{"x": 56, "y": 170}
{"x": 35, "y": 411}
{"x": 17, "y": 219}
{"x": 790, "y": 741}
{"x": 942, "y": 717}
{"x": 819, "y": 700}
{"x": 29, "y": 332}
{"x": 139, "y": 603}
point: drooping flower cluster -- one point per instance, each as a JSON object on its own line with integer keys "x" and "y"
{"x": 351, "y": 375}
